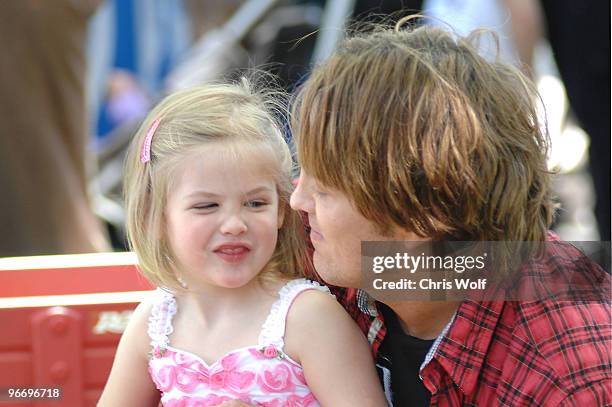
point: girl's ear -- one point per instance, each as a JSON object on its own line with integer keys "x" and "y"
{"x": 282, "y": 210}
{"x": 162, "y": 225}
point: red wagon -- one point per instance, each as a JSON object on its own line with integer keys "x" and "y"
{"x": 61, "y": 319}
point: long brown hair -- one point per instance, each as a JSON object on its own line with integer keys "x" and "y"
{"x": 421, "y": 132}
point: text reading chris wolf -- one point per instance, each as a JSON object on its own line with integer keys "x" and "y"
{"x": 484, "y": 270}
{"x": 423, "y": 262}
{"x": 417, "y": 270}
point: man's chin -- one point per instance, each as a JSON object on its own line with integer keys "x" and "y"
{"x": 331, "y": 274}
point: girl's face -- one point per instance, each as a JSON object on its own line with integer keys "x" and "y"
{"x": 222, "y": 217}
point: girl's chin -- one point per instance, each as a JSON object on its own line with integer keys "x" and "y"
{"x": 235, "y": 282}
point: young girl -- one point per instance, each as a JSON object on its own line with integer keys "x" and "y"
{"x": 207, "y": 185}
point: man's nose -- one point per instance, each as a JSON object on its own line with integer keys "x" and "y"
{"x": 234, "y": 224}
{"x": 300, "y": 199}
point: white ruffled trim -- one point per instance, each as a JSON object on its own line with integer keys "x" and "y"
{"x": 273, "y": 329}
{"x": 160, "y": 320}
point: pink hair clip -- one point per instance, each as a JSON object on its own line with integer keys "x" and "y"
{"x": 145, "y": 154}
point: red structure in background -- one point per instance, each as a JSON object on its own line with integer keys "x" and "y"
{"x": 61, "y": 319}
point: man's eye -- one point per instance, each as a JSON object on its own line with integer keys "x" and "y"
{"x": 320, "y": 190}
{"x": 256, "y": 204}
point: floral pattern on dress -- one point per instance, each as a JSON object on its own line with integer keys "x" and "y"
{"x": 260, "y": 375}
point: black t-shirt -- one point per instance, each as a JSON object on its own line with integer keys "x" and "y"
{"x": 403, "y": 355}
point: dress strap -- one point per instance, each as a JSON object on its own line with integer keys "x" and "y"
{"x": 273, "y": 330}
{"x": 160, "y": 320}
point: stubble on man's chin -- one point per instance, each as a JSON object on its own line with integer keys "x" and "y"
{"x": 337, "y": 275}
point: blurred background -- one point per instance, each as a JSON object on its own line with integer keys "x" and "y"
{"x": 77, "y": 77}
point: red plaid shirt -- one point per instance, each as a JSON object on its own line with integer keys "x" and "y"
{"x": 515, "y": 353}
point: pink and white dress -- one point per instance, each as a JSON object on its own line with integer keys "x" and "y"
{"x": 260, "y": 374}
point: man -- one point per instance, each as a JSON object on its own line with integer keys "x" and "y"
{"x": 411, "y": 135}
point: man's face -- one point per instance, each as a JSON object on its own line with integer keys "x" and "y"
{"x": 337, "y": 230}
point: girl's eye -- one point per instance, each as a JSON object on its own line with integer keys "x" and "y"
{"x": 206, "y": 206}
{"x": 256, "y": 204}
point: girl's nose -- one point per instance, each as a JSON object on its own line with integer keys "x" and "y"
{"x": 234, "y": 225}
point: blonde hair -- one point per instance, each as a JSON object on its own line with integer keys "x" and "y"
{"x": 236, "y": 113}
{"x": 422, "y": 133}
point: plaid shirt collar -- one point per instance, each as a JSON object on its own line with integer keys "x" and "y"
{"x": 473, "y": 342}
{"x": 366, "y": 304}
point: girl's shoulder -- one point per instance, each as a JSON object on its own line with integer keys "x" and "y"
{"x": 289, "y": 294}
{"x": 293, "y": 288}
{"x": 304, "y": 298}
{"x": 135, "y": 334}
{"x": 142, "y": 313}
{"x": 309, "y": 299}
{"x": 150, "y": 321}
{"x": 314, "y": 311}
